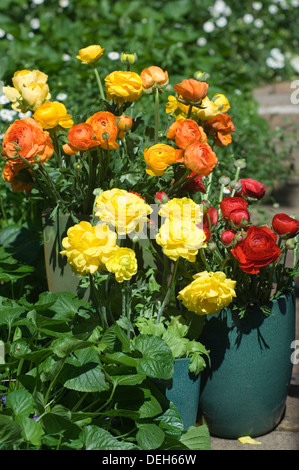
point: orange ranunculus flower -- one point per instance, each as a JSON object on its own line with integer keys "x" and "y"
{"x": 27, "y": 138}
{"x": 200, "y": 158}
{"x": 124, "y": 124}
{"x": 192, "y": 90}
{"x": 220, "y": 128}
{"x": 10, "y": 174}
{"x": 159, "y": 157}
{"x": 80, "y": 137}
{"x": 51, "y": 114}
{"x": 105, "y": 129}
{"x": 153, "y": 77}
{"x": 185, "y": 132}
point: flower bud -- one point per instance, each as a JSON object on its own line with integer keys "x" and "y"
{"x": 128, "y": 58}
{"x": 235, "y": 185}
{"x": 291, "y": 244}
{"x": 241, "y": 163}
{"x": 105, "y": 135}
{"x": 37, "y": 159}
{"x": 35, "y": 166}
{"x": 161, "y": 197}
{"x": 240, "y": 236}
{"x": 212, "y": 246}
{"x": 201, "y": 76}
{"x": 225, "y": 180}
{"x": 78, "y": 166}
{"x": 227, "y": 237}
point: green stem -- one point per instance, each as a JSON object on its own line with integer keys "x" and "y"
{"x": 180, "y": 181}
{"x": 56, "y": 146}
{"x": 156, "y": 115}
{"x": 168, "y": 292}
{"x": 236, "y": 179}
{"x": 99, "y": 82}
{"x": 189, "y": 111}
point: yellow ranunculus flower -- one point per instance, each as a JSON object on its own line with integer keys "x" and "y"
{"x": 159, "y": 157}
{"x": 90, "y": 54}
{"x": 180, "y": 238}
{"x": 208, "y": 111}
{"x": 88, "y": 247}
{"x": 221, "y": 102}
{"x": 123, "y": 86}
{"x": 182, "y": 209}
{"x": 125, "y": 211}
{"x": 208, "y": 293}
{"x": 173, "y": 106}
{"x": 51, "y": 114}
{"x": 30, "y": 90}
{"x": 122, "y": 263}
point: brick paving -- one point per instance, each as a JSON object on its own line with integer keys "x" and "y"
{"x": 276, "y": 106}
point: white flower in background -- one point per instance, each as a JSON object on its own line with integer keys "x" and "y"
{"x": 61, "y": 96}
{"x": 144, "y": 20}
{"x": 295, "y": 3}
{"x": 217, "y": 9}
{"x": 31, "y": 34}
{"x": 227, "y": 11}
{"x": 35, "y": 23}
{"x": 64, "y": 3}
{"x": 4, "y": 100}
{"x": 7, "y": 115}
{"x": 277, "y": 54}
{"x": 25, "y": 115}
{"x": 66, "y": 57}
{"x": 276, "y": 59}
{"x": 201, "y": 42}
{"x": 2, "y": 33}
{"x": 257, "y": 6}
{"x": 221, "y": 22}
{"x": 295, "y": 63}
{"x": 37, "y": 2}
{"x": 258, "y": 23}
{"x": 238, "y": 92}
{"x": 113, "y": 55}
{"x": 273, "y": 9}
{"x": 248, "y": 18}
{"x": 10, "y": 37}
{"x": 208, "y": 26}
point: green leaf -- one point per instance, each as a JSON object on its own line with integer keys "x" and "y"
{"x": 10, "y": 431}
{"x": 95, "y": 438}
{"x": 54, "y": 423}
{"x": 197, "y": 438}
{"x": 64, "y": 346}
{"x": 31, "y": 429}
{"x": 20, "y": 402}
{"x": 87, "y": 378}
{"x": 151, "y": 407}
{"x": 171, "y": 422}
{"x": 129, "y": 379}
{"x": 149, "y": 436}
{"x": 157, "y": 358}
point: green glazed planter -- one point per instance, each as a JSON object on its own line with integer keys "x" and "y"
{"x": 183, "y": 391}
{"x": 244, "y": 391}
{"x": 60, "y": 276}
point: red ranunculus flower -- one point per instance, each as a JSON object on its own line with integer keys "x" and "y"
{"x": 239, "y": 217}
{"x": 227, "y": 237}
{"x": 207, "y": 234}
{"x": 284, "y": 225}
{"x": 257, "y": 250}
{"x": 252, "y": 188}
{"x": 210, "y": 216}
{"x": 162, "y": 197}
{"x": 193, "y": 185}
{"x": 229, "y": 204}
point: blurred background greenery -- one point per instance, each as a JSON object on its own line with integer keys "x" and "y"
{"x": 240, "y": 45}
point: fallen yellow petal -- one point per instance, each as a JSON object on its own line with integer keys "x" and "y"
{"x": 248, "y": 440}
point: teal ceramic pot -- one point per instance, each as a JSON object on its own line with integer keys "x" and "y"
{"x": 60, "y": 276}
{"x": 183, "y": 391}
{"x": 244, "y": 391}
